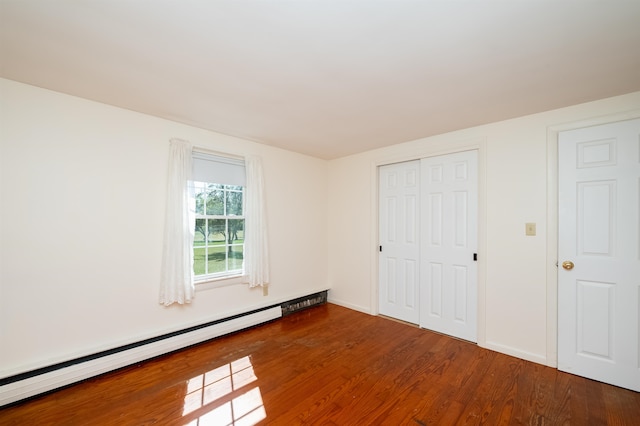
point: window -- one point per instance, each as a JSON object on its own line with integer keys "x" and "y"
{"x": 233, "y": 193}
{"x": 218, "y": 244}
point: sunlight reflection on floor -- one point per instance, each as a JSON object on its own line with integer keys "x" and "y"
{"x": 220, "y": 397}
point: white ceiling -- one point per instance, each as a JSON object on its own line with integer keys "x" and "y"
{"x": 321, "y": 77}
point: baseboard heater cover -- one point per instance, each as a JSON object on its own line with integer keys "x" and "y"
{"x": 26, "y": 385}
{"x": 305, "y": 302}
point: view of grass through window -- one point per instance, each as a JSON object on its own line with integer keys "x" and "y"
{"x": 218, "y": 246}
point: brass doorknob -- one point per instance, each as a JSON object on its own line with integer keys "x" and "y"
{"x": 568, "y": 265}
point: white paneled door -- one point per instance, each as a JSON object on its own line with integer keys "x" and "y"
{"x": 428, "y": 239}
{"x": 449, "y": 244}
{"x": 599, "y": 253}
{"x": 399, "y": 187}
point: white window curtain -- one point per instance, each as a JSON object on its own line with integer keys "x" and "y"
{"x": 256, "y": 245}
{"x": 176, "y": 285}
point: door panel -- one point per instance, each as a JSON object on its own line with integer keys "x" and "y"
{"x": 450, "y": 206}
{"x": 399, "y": 231}
{"x": 435, "y": 290}
{"x": 599, "y": 232}
{"x": 461, "y": 286}
{"x": 594, "y": 319}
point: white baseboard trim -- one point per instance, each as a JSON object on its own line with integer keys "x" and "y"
{"x": 349, "y": 305}
{"x": 507, "y": 350}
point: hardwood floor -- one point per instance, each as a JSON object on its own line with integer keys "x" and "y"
{"x": 333, "y": 366}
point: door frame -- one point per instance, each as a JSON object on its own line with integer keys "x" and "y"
{"x": 448, "y": 147}
{"x": 552, "y": 220}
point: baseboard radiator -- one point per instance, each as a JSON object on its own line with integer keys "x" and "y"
{"x": 32, "y": 383}
{"x": 26, "y": 385}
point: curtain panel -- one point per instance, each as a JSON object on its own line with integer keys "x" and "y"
{"x": 176, "y": 285}
{"x": 256, "y": 244}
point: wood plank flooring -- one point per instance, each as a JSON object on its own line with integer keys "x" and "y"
{"x": 333, "y": 366}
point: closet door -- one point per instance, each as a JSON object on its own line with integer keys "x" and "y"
{"x": 399, "y": 263}
{"x": 449, "y": 241}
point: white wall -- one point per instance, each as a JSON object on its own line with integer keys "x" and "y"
{"x": 82, "y": 210}
{"x": 81, "y": 222}
{"x": 516, "y": 308}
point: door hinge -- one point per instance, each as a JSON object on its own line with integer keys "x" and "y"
{"x": 380, "y": 248}
{"x": 475, "y": 257}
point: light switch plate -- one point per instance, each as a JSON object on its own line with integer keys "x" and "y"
{"x": 530, "y": 229}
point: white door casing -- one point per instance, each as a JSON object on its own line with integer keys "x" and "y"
{"x": 399, "y": 207}
{"x": 449, "y": 239}
{"x": 599, "y": 233}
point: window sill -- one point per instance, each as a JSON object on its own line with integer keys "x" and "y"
{"x": 220, "y": 282}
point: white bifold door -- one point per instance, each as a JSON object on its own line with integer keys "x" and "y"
{"x": 428, "y": 243}
{"x": 599, "y": 253}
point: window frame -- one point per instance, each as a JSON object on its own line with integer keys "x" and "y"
{"x": 225, "y": 170}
